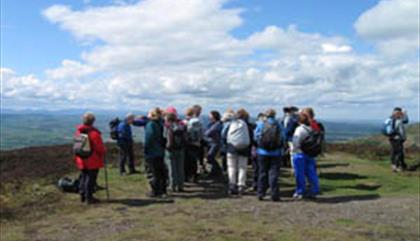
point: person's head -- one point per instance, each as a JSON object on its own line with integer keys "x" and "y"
{"x": 189, "y": 113}
{"x": 260, "y": 116}
{"x": 397, "y": 112}
{"x": 155, "y": 114}
{"x": 227, "y": 116}
{"x": 88, "y": 118}
{"x": 170, "y": 117}
{"x": 293, "y": 109}
{"x": 286, "y": 110}
{"x": 310, "y": 112}
{"x": 270, "y": 113}
{"x": 172, "y": 110}
{"x": 304, "y": 118}
{"x": 242, "y": 114}
{"x": 197, "y": 110}
{"x": 129, "y": 118}
{"x": 214, "y": 116}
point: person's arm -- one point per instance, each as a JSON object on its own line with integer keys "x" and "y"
{"x": 140, "y": 121}
{"x": 257, "y": 131}
{"x": 405, "y": 117}
{"x": 97, "y": 143}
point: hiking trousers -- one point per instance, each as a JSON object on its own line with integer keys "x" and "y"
{"x": 237, "y": 165}
{"x": 175, "y": 164}
{"x": 397, "y": 153}
{"x": 212, "y": 151}
{"x": 192, "y": 155}
{"x": 269, "y": 167}
{"x": 126, "y": 154}
{"x": 87, "y": 183}
{"x": 157, "y": 175}
{"x": 305, "y": 168}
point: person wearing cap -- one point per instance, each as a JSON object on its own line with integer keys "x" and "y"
{"x": 400, "y": 118}
{"x": 125, "y": 142}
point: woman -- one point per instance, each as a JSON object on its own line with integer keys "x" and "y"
{"x": 213, "y": 136}
{"x": 175, "y": 135}
{"x": 304, "y": 165}
{"x": 89, "y": 165}
{"x": 154, "y": 152}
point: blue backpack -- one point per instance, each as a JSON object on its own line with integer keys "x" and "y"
{"x": 388, "y": 127}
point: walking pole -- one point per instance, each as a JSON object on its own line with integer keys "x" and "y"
{"x": 106, "y": 180}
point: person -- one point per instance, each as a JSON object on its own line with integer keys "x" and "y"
{"x": 399, "y": 118}
{"x": 268, "y": 135}
{"x": 194, "y": 138}
{"x": 212, "y": 136}
{"x": 238, "y": 142}
{"x": 227, "y": 117}
{"x": 175, "y": 135}
{"x": 260, "y": 118}
{"x": 125, "y": 142}
{"x": 154, "y": 152}
{"x": 304, "y": 165}
{"x": 197, "y": 113}
{"x": 290, "y": 123}
{"x": 90, "y": 166}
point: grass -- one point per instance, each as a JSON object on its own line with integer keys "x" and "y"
{"x": 37, "y": 210}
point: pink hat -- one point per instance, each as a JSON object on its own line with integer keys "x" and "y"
{"x": 172, "y": 110}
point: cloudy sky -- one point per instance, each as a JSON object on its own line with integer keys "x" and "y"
{"x": 348, "y": 59}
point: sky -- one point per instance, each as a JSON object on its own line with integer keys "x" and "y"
{"x": 348, "y": 59}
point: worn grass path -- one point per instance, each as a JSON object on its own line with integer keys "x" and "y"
{"x": 362, "y": 200}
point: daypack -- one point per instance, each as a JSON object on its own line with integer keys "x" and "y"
{"x": 178, "y": 137}
{"x": 81, "y": 144}
{"x": 66, "y": 184}
{"x": 238, "y": 135}
{"x": 270, "y": 137}
{"x": 291, "y": 126}
{"x": 194, "y": 131}
{"x": 388, "y": 127}
{"x": 313, "y": 144}
{"x": 113, "y": 126}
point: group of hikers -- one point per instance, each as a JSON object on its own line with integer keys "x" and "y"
{"x": 175, "y": 149}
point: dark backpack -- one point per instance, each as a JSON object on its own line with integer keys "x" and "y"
{"x": 271, "y": 137}
{"x": 81, "y": 144}
{"x": 67, "y": 184}
{"x": 113, "y": 126}
{"x": 179, "y": 137}
{"x": 313, "y": 144}
{"x": 291, "y": 126}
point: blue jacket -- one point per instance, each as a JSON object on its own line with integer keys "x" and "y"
{"x": 154, "y": 142}
{"x": 213, "y": 133}
{"x": 257, "y": 136}
{"x": 125, "y": 134}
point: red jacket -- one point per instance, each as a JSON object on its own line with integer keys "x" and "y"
{"x": 314, "y": 125}
{"x": 96, "y": 160}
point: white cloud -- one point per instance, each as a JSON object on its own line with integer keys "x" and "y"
{"x": 135, "y": 57}
{"x": 393, "y": 25}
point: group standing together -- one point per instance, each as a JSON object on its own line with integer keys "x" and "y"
{"x": 175, "y": 149}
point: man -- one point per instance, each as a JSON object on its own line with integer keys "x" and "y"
{"x": 197, "y": 113}
{"x": 125, "y": 142}
{"x": 194, "y": 140}
{"x": 89, "y": 164}
{"x": 290, "y": 123}
{"x": 268, "y": 135}
{"x": 399, "y": 118}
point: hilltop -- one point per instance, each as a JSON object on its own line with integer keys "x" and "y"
{"x": 361, "y": 200}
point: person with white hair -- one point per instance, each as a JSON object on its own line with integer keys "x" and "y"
{"x": 125, "y": 142}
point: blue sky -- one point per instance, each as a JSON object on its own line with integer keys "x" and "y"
{"x": 64, "y": 43}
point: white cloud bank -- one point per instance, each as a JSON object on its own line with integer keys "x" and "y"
{"x": 160, "y": 52}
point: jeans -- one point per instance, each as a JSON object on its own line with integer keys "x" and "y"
{"x": 269, "y": 175}
{"x": 126, "y": 152}
{"x": 87, "y": 183}
{"x": 175, "y": 163}
{"x": 397, "y": 153}
{"x": 237, "y": 169}
{"x": 157, "y": 175}
{"x": 305, "y": 168}
{"x": 192, "y": 155}
{"x": 212, "y": 151}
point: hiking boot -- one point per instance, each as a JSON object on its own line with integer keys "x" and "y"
{"x": 394, "y": 168}
{"x": 241, "y": 190}
{"x": 297, "y": 196}
{"x": 261, "y": 198}
{"x": 275, "y": 199}
{"x": 82, "y": 198}
{"x": 92, "y": 201}
{"x": 133, "y": 172}
{"x": 152, "y": 195}
{"x": 123, "y": 174}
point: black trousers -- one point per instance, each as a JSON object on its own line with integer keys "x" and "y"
{"x": 192, "y": 157}
{"x": 157, "y": 175}
{"x": 87, "y": 183}
{"x": 126, "y": 154}
{"x": 397, "y": 153}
